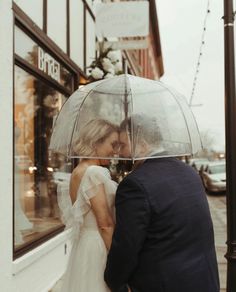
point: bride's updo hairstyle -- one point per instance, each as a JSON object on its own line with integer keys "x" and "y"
{"x": 93, "y": 133}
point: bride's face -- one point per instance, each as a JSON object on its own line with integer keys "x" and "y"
{"x": 108, "y": 147}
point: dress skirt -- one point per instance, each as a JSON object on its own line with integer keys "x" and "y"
{"x": 85, "y": 270}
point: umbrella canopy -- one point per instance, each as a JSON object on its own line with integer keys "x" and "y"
{"x": 150, "y": 113}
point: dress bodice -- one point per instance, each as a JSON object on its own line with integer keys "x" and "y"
{"x": 80, "y": 215}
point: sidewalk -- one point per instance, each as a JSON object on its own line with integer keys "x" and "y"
{"x": 218, "y": 213}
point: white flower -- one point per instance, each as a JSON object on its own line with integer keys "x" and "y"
{"x": 111, "y": 70}
{"x": 118, "y": 67}
{"x": 97, "y": 73}
{"x": 114, "y": 56}
{"x": 107, "y": 65}
{"x": 106, "y": 62}
{"x": 108, "y": 75}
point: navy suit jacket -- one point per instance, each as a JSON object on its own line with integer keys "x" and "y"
{"x": 163, "y": 239}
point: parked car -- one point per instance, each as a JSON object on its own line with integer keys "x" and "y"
{"x": 214, "y": 176}
{"x": 198, "y": 163}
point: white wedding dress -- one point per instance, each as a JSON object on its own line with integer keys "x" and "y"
{"x": 88, "y": 255}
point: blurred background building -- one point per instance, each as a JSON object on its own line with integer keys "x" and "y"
{"x": 46, "y": 50}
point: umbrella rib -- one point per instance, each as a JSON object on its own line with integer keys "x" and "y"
{"x": 148, "y": 92}
{"x": 132, "y": 127}
{"x": 60, "y": 112}
{"x": 183, "y": 116}
{"x": 175, "y": 141}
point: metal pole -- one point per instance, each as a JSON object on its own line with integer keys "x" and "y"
{"x": 230, "y": 130}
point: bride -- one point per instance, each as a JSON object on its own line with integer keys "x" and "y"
{"x": 88, "y": 207}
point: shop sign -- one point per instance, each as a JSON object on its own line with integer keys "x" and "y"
{"x": 48, "y": 65}
{"x": 122, "y": 19}
{"x": 126, "y": 45}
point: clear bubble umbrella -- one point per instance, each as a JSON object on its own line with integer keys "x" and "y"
{"x": 147, "y": 111}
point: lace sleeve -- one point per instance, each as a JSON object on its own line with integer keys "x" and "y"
{"x": 94, "y": 177}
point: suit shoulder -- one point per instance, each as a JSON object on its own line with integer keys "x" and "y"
{"x": 131, "y": 183}
{"x": 159, "y": 170}
{"x": 130, "y": 179}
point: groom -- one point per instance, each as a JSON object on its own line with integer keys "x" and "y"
{"x": 163, "y": 239}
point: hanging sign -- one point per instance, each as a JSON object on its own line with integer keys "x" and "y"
{"x": 122, "y": 19}
{"x": 126, "y": 45}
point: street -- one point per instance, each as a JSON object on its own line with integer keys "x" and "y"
{"x": 218, "y": 212}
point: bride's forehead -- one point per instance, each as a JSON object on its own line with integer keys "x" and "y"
{"x": 114, "y": 136}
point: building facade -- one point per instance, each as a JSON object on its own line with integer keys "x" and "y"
{"x": 46, "y": 47}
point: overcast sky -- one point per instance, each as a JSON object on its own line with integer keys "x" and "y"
{"x": 181, "y": 27}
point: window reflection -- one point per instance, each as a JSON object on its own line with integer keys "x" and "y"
{"x": 56, "y": 22}
{"x": 90, "y": 45}
{"x": 77, "y": 32}
{"x": 34, "y": 9}
{"x": 36, "y": 169}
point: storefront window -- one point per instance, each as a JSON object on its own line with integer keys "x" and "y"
{"x": 31, "y": 52}
{"x": 77, "y": 32}
{"x": 56, "y": 22}
{"x": 34, "y": 9}
{"x": 37, "y": 171}
{"x": 90, "y": 47}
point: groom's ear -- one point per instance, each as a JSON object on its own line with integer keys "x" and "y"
{"x": 141, "y": 148}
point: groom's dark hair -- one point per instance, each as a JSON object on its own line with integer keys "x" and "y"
{"x": 143, "y": 126}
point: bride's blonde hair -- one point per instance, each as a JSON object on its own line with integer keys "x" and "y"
{"x": 93, "y": 133}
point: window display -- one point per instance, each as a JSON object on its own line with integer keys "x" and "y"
{"x": 37, "y": 171}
